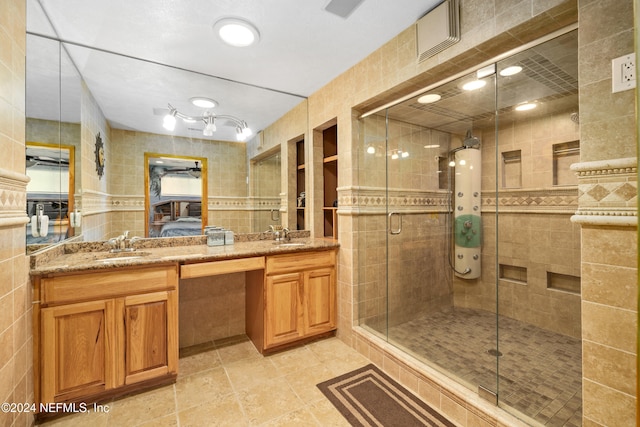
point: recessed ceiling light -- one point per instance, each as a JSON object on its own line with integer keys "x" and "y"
{"x": 236, "y": 32}
{"x": 510, "y": 71}
{"x": 202, "y": 102}
{"x": 474, "y": 84}
{"x": 429, "y": 98}
{"x": 525, "y": 106}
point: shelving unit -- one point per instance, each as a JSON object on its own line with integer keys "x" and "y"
{"x": 300, "y": 184}
{"x": 330, "y": 175}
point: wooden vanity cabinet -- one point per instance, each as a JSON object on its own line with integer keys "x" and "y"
{"x": 296, "y": 299}
{"x": 102, "y": 333}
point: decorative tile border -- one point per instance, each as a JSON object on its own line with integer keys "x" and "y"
{"x": 94, "y": 202}
{"x": 373, "y": 200}
{"x": 13, "y": 198}
{"x": 544, "y": 200}
{"x": 607, "y": 192}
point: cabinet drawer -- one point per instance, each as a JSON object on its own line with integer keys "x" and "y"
{"x": 213, "y": 268}
{"x": 300, "y": 261}
{"x": 107, "y": 284}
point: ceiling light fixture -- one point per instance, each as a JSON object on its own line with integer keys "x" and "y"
{"x": 510, "y": 71}
{"x": 202, "y": 102}
{"x": 526, "y": 106}
{"x": 236, "y": 32}
{"x": 474, "y": 84}
{"x": 169, "y": 121}
{"x": 209, "y": 119}
{"x": 429, "y": 98}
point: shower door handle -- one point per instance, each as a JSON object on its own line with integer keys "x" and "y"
{"x": 391, "y": 229}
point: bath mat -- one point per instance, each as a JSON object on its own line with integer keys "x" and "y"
{"x": 368, "y": 397}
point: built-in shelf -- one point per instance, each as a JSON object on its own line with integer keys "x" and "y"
{"x": 330, "y": 159}
{"x": 563, "y": 282}
{"x": 330, "y": 177}
{"x": 300, "y": 185}
{"x": 564, "y": 155}
{"x": 512, "y": 169}
{"x": 513, "y": 273}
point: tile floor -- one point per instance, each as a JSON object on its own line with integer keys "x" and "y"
{"x": 228, "y": 383}
{"x": 540, "y": 371}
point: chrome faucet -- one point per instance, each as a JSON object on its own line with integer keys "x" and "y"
{"x": 279, "y": 233}
{"x": 122, "y": 243}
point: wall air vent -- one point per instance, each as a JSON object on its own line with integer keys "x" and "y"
{"x": 438, "y": 29}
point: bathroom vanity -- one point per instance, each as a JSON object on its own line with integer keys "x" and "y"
{"x": 107, "y": 324}
{"x": 103, "y": 331}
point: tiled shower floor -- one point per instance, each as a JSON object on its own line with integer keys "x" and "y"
{"x": 540, "y": 371}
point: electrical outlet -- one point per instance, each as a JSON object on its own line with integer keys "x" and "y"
{"x": 623, "y": 73}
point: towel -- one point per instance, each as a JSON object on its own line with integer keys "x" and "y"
{"x": 75, "y": 218}
{"x": 34, "y": 226}
{"x": 44, "y": 226}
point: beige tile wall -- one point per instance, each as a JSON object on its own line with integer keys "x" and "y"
{"x": 609, "y": 254}
{"x": 16, "y": 347}
{"x": 207, "y": 316}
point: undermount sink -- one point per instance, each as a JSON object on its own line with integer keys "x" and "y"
{"x": 117, "y": 257}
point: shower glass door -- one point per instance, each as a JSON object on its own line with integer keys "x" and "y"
{"x": 538, "y": 257}
{"x": 423, "y": 158}
{"x": 468, "y": 259}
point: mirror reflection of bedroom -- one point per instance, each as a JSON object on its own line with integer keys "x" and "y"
{"x": 173, "y": 195}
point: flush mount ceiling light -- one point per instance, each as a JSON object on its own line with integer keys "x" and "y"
{"x": 510, "y": 71}
{"x": 526, "y": 106}
{"x": 209, "y": 119}
{"x": 429, "y": 98}
{"x": 474, "y": 84}
{"x": 203, "y": 102}
{"x": 236, "y": 32}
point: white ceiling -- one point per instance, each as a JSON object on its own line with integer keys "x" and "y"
{"x": 140, "y": 55}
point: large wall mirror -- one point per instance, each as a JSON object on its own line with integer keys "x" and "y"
{"x": 75, "y": 88}
{"x": 53, "y": 125}
{"x": 174, "y": 200}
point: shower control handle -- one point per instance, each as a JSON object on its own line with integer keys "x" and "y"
{"x": 391, "y": 229}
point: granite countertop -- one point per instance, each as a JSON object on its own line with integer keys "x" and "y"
{"x": 87, "y": 257}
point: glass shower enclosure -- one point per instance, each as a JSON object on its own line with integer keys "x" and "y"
{"x": 468, "y": 260}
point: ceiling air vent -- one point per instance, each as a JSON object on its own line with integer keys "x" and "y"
{"x": 438, "y": 29}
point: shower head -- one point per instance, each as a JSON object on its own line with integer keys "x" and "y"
{"x": 470, "y": 140}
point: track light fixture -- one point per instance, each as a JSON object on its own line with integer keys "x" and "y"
{"x": 209, "y": 119}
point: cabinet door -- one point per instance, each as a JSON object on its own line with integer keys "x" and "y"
{"x": 282, "y": 309}
{"x": 319, "y": 300}
{"x": 148, "y": 336}
{"x": 78, "y": 351}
